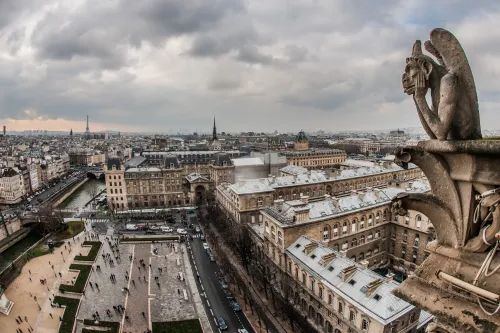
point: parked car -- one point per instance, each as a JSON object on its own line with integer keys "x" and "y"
{"x": 242, "y": 330}
{"x": 202, "y": 237}
{"x": 155, "y": 227}
{"x": 205, "y": 246}
{"x": 212, "y": 258}
{"x": 166, "y": 229}
{"x": 235, "y": 306}
{"x": 150, "y": 232}
{"x": 197, "y": 229}
{"x": 221, "y": 323}
{"x": 181, "y": 231}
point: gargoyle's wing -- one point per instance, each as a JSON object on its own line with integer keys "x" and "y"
{"x": 456, "y": 62}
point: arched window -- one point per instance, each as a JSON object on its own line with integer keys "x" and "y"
{"x": 370, "y": 236}
{"x": 361, "y": 256}
{"x": 368, "y": 253}
{"x": 326, "y": 232}
{"x": 354, "y": 242}
{"x": 353, "y": 226}
{"x": 266, "y": 228}
{"x": 417, "y": 240}
{"x": 377, "y": 234}
{"x": 370, "y": 220}
{"x": 335, "y": 230}
{"x": 352, "y": 316}
{"x": 280, "y": 238}
{"x": 377, "y": 218}
{"x": 344, "y": 227}
{"x": 364, "y": 325}
{"x": 273, "y": 232}
{"x": 386, "y": 215}
{"x": 419, "y": 221}
{"x": 362, "y": 239}
{"x": 375, "y": 251}
{"x": 362, "y": 223}
{"x": 345, "y": 245}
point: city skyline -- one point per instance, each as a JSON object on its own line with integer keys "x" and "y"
{"x": 329, "y": 66}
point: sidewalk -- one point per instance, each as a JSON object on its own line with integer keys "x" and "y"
{"x": 27, "y": 286}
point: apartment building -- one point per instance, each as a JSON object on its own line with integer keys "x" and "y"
{"x": 11, "y": 186}
{"x": 357, "y": 225}
{"x": 338, "y": 295}
{"x": 315, "y": 159}
{"x": 244, "y": 199}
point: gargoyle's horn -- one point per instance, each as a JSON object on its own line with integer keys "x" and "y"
{"x": 417, "y": 49}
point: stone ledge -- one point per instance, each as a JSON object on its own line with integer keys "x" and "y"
{"x": 461, "y": 146}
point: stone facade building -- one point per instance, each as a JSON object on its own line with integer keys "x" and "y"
{"x": 315, "y": 159}
{"x": 244, "y": 199}
{"x": 11, "y": 186}
{"x": 338, "y": 295}
{"x": 138, "y": 184}
{"x": 358, "y": 225}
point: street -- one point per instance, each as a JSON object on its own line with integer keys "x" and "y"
{"x": 216, "y": 302}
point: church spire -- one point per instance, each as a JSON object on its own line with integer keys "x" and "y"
{"x": 71, "y": 133}
{"x": 214, "y": 134}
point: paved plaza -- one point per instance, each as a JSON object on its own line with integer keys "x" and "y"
{"x": 153, "y": 295}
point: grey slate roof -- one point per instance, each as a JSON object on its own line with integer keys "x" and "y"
{"x": 135, "y": 162}
{"x": 171, "y": 162}
{"x": 385, "y": 310}
{"x": 222, "y": 159}
{"x": 114, "y": 162}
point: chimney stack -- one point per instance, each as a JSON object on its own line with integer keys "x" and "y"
{"x": 328, "y": 258}
{"x": 310, "y": 247}
{"x": 279, "y": 203}
{"x": 389, "y": 277}
{"x": 348, "y": 272}
{"x": 372, "y": 286}
{"x": 364, "y": 264}
{"x": 304, "y": 199}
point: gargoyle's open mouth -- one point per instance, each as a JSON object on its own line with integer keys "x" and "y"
{"x": 409, "y": 89}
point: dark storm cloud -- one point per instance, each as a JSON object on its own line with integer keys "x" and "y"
{"x": 314, "y": 59}
{"x": 100, "y": 30}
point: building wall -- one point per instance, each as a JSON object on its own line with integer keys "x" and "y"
{"x": 221, "y": 174}
{"x": 11, "y": 189}
{"x": 327, "y": 310}
{"x": 316, "y": 160}
{"x": 116, "y": 189}
{"x": 147, "y": 189}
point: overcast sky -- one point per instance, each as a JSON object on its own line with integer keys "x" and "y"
{"x": 257, "y": 65}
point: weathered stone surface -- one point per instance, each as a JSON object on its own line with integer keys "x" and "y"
{"x": 464, "y": 173}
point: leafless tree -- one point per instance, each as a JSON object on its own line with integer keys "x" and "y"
{"x": 50, "y": 220}
{"x": 92, "y": 189}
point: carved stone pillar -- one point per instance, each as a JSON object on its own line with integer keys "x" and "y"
{"x": 445, "y": 284}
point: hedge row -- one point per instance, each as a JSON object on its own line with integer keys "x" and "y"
{"x": 149, "y": 239}
{"x": 183, "y": 326}
{"x": 69, "y": 316}
{"x": 114, "y": 327}
{"x": 92, "y": 253}
{"x": 81, "y": 280}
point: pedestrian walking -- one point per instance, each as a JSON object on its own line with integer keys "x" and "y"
{"x": 50, "y": 314}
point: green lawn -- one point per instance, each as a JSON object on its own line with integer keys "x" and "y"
{"x": 68, "y": 319}
{"x": 73, "y": 229}
{"x": 184, "y": 326}
{"x": 40, "y": 250}
{"x": 92, "y": 253}
{"x": 81, "y": 280}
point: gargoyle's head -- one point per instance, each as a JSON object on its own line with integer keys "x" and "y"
{"x": 417, "y": 71}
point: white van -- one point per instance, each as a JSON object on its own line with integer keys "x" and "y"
{"x": 181, "y": 231}
{"x": 131, "y": 227}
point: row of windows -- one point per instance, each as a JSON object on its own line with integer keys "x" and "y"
{"x": 351, "y": 227}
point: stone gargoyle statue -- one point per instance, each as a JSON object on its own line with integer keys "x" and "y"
{"x": 454, "y": 114}
{"x": 457, "y": 162}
